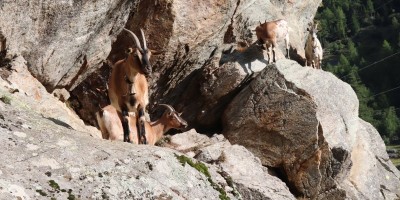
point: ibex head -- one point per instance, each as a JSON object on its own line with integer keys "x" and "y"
{"x": 174, "y": 118}
{"x": 313, "y": 29}
{"x": 142, "y": 52}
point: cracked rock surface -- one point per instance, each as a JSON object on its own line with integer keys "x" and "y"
{"x": 41, "y": 160}
{"x": 305, "y": 122}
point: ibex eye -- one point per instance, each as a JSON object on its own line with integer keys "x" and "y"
{"x": 127, "y": 80}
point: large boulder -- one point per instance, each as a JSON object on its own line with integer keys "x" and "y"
{"x": 305, "y": 122}
{"x": 62, "y": 41}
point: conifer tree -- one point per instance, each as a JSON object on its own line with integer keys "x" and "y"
{"x": 386, "y": 49}
{"x": 395, "y": 23}
{"x": 353, "y": 54}
{"x": 355, "y": 24}
{"x": 369, "y": 8}
{"x": 341, "y": 22}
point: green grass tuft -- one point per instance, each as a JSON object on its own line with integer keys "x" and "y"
{"x": 201, "y": 167}
{"x": 54, "y": 185}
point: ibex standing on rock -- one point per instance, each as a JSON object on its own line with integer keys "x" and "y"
{"x": 128, "y": 87}
{"x": 111, "y": 127}
{"x": 313, "y": 49}
{"x": 269, "y": 33}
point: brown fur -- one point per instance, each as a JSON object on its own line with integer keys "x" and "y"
{"x": 128, "y": 87}
{"x": 269, "y": 33}
{"x": 119, "y": 90}
{"x": 111, "y": 128}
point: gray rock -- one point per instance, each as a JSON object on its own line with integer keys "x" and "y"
{"x": 51, "y": 161}
{"x": 250, "y": 178}
{"x": 63, "y": 41}
{"x": 305, "y": 122}
{"x": 62, "y": 94}
{"x": 195, "y": 37}
{"x": 233, "y": 167}
{"x": 30, "y": 95}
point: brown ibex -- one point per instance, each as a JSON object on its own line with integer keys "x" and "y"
{"x": 313, "y": 49}
{"x": 111, "y": 127}
{"x": 128, "y": 87}
{"x": 269, "y": 33}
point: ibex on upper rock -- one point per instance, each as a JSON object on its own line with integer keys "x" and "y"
{"x": 111, "y": 127}
{"x": 313, "y": 49}
{"x": 269, "y": 33}
{"x": 128, "y": 87}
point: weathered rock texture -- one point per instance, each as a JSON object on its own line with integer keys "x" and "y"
{"x": 28, "y": 93}
{"x": 305, "y": 122}
{"x": 45, "y": 158}
{"x": 301, "y": 122}
{"x": 48, "y": 153}
{"x": 62, "y": 41}
{"x": 195, "y": 36}
{"x": 42, "y": 160}
{"x": 241, "y": 172}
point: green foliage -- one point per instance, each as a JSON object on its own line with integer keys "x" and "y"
{"x": 355, "y": 24}
{"x": 54, "y": 185}
{"x": 362, "y": 38}
{"x": 386, "y": 48}
{"x": 353, "y": 53}
{"x": 201, "y": 167}
{"x": 341, "y": 22}
{"x": 395, "y": 22}
{"x": 369, "y": 8}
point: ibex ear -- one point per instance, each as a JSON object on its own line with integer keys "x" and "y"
{"x": 179, "y": 114}
{"x": 155, "y": 52}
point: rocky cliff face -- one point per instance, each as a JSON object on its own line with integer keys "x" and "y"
{"x": 62, "y": 41}
{"x": 305, "y": 122}
{"x": 296, "y": 128}
{"x": 195, "y": 35}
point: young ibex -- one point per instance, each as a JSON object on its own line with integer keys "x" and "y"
{"x": 313, "y": 49}
{"x": 269, "y": 33}
{"x": 111, "y": 127}
{"x": 128, "y": 87}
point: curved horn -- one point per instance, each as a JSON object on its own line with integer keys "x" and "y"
{"x": 170, "y": 108}
{"x": 144, "y": 40}
{"x": 136, "y": 39}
